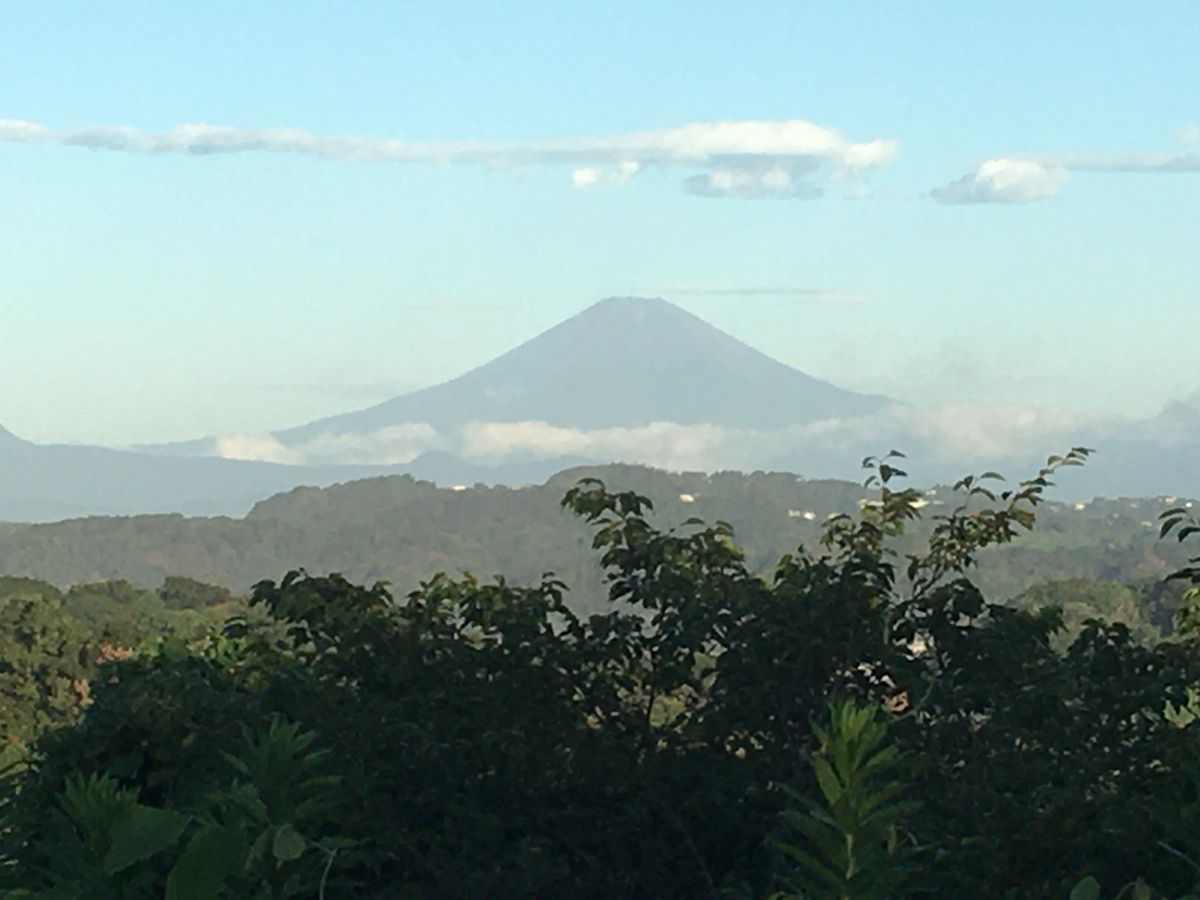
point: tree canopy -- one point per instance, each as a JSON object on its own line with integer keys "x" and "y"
{"x": 859, "y": 722}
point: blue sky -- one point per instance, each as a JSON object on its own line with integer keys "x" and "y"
{"x": 161, "y": 295}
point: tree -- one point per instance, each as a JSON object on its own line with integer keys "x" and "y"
{"x": 489, "y": 740}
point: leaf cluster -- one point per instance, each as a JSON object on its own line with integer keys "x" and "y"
{"x": 488, "y": 739}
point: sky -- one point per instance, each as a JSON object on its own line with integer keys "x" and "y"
{"x": 229, "y": 217}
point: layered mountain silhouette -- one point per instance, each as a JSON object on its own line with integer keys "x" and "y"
{"x": 46, "y": 482}
{"x": 623, "y": 362}
{"x": 621, "y": 365}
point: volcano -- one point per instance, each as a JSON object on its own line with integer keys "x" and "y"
{"x": 623, "y": 362}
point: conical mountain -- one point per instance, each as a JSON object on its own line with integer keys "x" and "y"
{"x": 623, "y": 362}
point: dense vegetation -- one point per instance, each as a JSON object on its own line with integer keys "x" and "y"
{"x": 52, "y": 643}
{"x": 862, "y": 722}
{"x": 401, "y": 530}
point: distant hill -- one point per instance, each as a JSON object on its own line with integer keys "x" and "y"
{"x": 446, "y": 469}
{"x": 46, "y": 482}
{"x": 404, "y": 530}
{"x": 52, "y": 482}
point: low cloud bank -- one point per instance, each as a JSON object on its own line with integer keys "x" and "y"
{"x": 394, "y": 445}
{"x": 1149, "y": 455}
{"x": 958, "y": 433}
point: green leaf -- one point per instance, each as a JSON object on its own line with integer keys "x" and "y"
{"x": 289, "y": 844}
{"x": 139, "y": 833}
{"x": 1087, "y": 889}
{"x": 815, "y": 868}
{"x": 206, "y": 863}
{"x": 258, "y": 850}
{"x": 828, "y": 781}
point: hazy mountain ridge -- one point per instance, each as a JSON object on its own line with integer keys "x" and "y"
{"x": 404, "y": 530}
{"x": 628, "y": 379}
{"x": 622, "y": 363}
{"x": 46, "y": 482}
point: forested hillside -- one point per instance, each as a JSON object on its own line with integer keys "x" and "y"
{"x": 404, "y": 531}
{"x": 863, "y": 723}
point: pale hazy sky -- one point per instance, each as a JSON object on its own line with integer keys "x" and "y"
{"x": 230, "y": 217}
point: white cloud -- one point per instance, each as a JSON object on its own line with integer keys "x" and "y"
{"x": 260, "y": 447}
{"x": 980, "y": 432}
{"x": 1005, "y": 180}
{"x": 17, "y": 131}
{"x": 665, "y": 444}
{"x": 589, "y": 176}
{"x": 744, "y": 159}
{"x": 1026, "y": 179}
{"x": 942, "y": 443}
{"x": 393, "y": 445}
{"x": 956, "y": 434}
{"x": 586, "y": 177}
{"x": 869, "y": 155}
